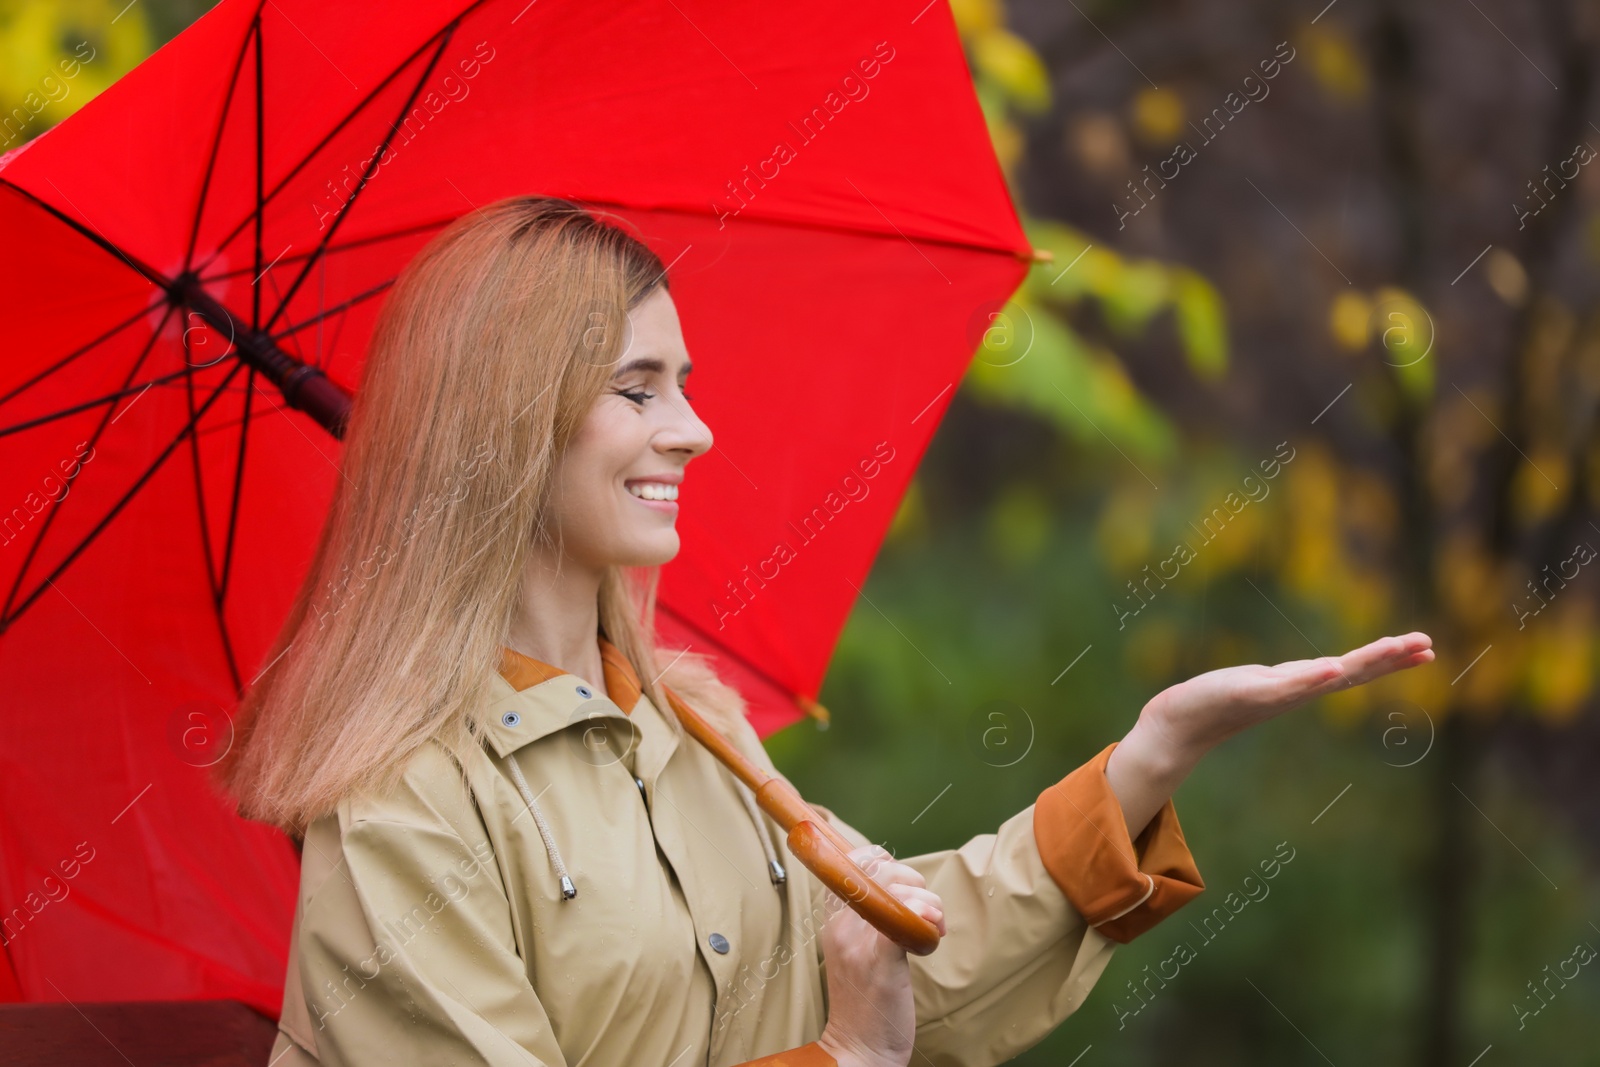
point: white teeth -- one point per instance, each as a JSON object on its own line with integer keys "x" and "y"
{"x": 654, "y": 491}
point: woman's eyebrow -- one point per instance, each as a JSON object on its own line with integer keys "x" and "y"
{"x": 651, "y": 365}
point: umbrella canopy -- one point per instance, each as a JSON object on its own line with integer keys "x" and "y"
{"x": 189, "y": 271}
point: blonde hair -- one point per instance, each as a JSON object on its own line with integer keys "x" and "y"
{"x": 488, "y": 352}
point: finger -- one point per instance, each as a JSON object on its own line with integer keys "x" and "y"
{"x": 884, "y": 869}
{"x": 1356, "y": 667}
{"x": 910, "y": 892}
{"x": 869, "y": 857}
{"x": 923, "y": 902}
{"x": 1385, "y": 656}
{"x": 1384, "y": 649}
{"x": 895, "y": 873}
{"x": 1391, "y": 647}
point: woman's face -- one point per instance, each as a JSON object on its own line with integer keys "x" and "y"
{"x": 614, "y": 500}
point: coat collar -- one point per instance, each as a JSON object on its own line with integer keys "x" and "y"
{"x": 529, "y": 699}
{"x": 622, "y": 683}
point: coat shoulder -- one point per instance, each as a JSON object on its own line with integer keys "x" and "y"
{"x": 435, "y": 788}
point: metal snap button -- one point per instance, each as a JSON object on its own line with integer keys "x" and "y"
{"x": 511, "y": 718}
{"x": 719, "y": 944}
{"x": 585, "y": 692}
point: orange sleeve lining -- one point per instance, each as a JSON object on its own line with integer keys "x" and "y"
{"x": 1120, "y": 886}
{"x": 810, "y": 1054}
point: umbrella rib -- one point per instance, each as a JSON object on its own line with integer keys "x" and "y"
{"x": 238, "y": 491}
{"x": 11, "y": 617}
{"x": 336, "y": 309}
{"x": 814, "y": 226}
{"x": 322, "y": 307}
{"x": 333, "y": 342}
{"x": 218, "y": 586}
{"x": 149, "y": 274}
{"x": 165, "y": 379}
{"x": 261, "y": 210}
{"x": 359, "y": 242}
{"x": 94, "y": 438}
{"x": 216, "y": 140}
{"x": 299, "y": 352}
{"x": 342, "y": 123}
{"x": 64, "y": 360}
{"x": 199, "y": 481}
{"x": 371, "y": 168}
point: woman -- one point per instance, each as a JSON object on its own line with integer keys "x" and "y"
{"x": 512, "y": 854}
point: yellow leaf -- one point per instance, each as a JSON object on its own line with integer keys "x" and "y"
{"x": 1335, "y": 62}
{"x": 1141, "y": 288}
{"x": 1008, "y": 143}
{"x": 911, "y": 518}
{"x": 57, "y": 55}
{"x": 1406, "y": 335}
{"x": 1559, "y": 667}
{"x": 1537, "y": 492}
{"x": 1100, "y": 271}
{"x": 1349, "y": 320}
{"x": 976, "y": 16}
{"x": 1012, "y": 62}
{"x": 1157, "y": 115}
{"x": 1202, "y": 323}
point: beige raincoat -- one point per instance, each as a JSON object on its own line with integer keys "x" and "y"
{"x": 594, "y": 888}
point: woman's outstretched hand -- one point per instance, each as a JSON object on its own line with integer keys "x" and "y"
{"x": 1181, "y": 724}
{"x": 1197, "y": 715}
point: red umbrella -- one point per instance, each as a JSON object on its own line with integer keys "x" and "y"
{"x": 191, "y": 267}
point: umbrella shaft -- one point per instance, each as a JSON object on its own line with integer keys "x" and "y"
{"x": 303, "y": 386}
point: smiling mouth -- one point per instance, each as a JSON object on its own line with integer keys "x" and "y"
{"x": 653, "y": 490}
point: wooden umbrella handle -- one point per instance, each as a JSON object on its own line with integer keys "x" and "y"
{"x": 810, "y": 844}
{"x": 817, "y": 845}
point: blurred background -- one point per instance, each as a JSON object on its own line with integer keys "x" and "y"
{"x": 1322, "y": 311}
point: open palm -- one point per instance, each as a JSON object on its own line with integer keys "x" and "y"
{"x": 1210, "y": 708}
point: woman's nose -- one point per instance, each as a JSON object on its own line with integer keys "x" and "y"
{"x": 686, "y": 432}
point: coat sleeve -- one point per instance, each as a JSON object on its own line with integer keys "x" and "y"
{"x": 406, "y": 951}
{"x": 1034, "y": 912}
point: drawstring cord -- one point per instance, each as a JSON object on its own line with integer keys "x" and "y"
{"x": 763, "y": 831}
{"x": 774, "y": 868}
{"x": 568, "y": 890}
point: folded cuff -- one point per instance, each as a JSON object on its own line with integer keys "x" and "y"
{"x": 1121, "y": 887}
{"x": 810, "y": 1054}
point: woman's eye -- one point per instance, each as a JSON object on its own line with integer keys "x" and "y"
{"x": 689, "y": 398}
{"x": 638, "y": 396}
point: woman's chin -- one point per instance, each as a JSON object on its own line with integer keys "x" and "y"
{"x": 652, "y": 552}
